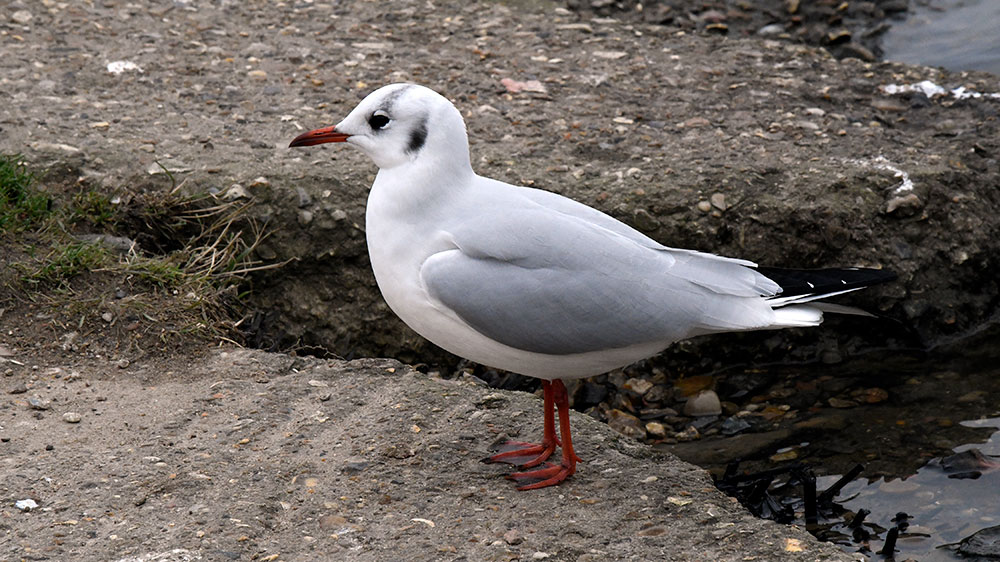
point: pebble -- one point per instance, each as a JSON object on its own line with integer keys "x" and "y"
{"x": 771, "y": 29}
{"x": 689, "y": 434}
{"x": 107, "y": 316}
{"x": 906, "y": 205}
{"x": 626, "y": 424}
{"x": 733, "y": 425}
{"x": 21, "y": 16}
{"x": 718, "y": 200}
{"x": 704, "y": 206}
{"x": 513, "y": 537}
{"x": 653, "y": 531}
{"x": 72, "y": 417}
{"x": 36, "y": 403}
{"x": 656, "y": 430}
{"x": 540, "y": 555}
{"x": 329, "y": 522}
{"x": 638, "y": 386}
{"x": 235, "y": 191}
{"x": 871, "y": 395}
{"x": 841, "y": 403}
{"x": 705, "y": 403}
{"x": 658, "y": 394}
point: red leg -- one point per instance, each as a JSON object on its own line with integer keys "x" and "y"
{"x": 550, "y": 474}
{"x": 530, "y": 453}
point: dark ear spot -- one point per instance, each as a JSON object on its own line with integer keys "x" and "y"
{"x": 417, "y": 137}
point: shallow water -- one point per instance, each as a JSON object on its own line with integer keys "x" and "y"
{"x": 955, "y": 34}
{"x": 942, "y": 509}
{"x": 939, "y": 402}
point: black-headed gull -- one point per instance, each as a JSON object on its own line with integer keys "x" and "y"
{"x": 529, "y": 281}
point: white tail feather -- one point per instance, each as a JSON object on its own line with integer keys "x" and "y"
{"x": 776, "y": 302}
{"x": 797, "y": 317}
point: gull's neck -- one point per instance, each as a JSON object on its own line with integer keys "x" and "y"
{"x": 425, "y": 183}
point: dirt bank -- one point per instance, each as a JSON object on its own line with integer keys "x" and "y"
{"x": 242, "y": 455}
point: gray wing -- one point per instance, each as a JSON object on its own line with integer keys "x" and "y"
{"x": 550, "y": 282}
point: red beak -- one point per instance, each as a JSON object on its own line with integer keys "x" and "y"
{"x": 319, "y": 136}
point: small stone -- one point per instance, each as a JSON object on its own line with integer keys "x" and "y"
{"x": 696, "y": 122}
{"x": 971, "y": 397}
{"x": 841, "y": 403}
{"x": 5, "y": 351}
{"x": 705, "y": 403}
{"x": 871, "y": 395}
{"x": 733, "y": 425}
{"x": 36, "y": 403}
{"x": 330, "y": 522}
{"x": 107, "y": 316}
{"x": 235, "y": 191}
{"x": 626, "y": 424}
{"x": 72, "y": 417}
{"x": 21, "y": 16}
{"x": 889, "y": 104}
{"x": 540, "y": 555}
{"x": 905, "y": 206}
{"x": 257, "y": 74}
{"x": 304, "y": 198}
{"x": 656, "y": 430}
{"x": 704, "y": 206}
{"x": 355, "y": 464}
{"x": 718, "y": 200}
{"x": 689, "y": 434}
{"x": 19, "y": 389}
{"x": 838, "y": 36}
{"x": 653, "y": 531}
{"x": 638, "y": 386}
{"x": 513, "y": 537}
{"x": 658, "y": 394}
{"x": 610, "y": 55}
{"x": 771, "y": 29}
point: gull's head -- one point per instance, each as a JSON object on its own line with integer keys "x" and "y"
{"x": 399, "y": 124}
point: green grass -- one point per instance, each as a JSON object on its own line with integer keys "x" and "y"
{"x": 189, "y": 263}
{"x": 21, "y": 205}
{"x": 94, "y": 208}
{"x": 65, "y": 261}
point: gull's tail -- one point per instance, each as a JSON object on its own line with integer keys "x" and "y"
{"x": 795, "y": 305}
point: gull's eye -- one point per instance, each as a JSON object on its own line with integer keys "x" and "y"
{"x": 378, "y": 120}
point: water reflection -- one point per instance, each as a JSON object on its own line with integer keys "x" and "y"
{"x": 946, "y": 501}
{"x": 955, "y": 34}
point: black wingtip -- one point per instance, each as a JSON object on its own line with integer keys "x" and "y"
{"x": 818, "y": 281}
